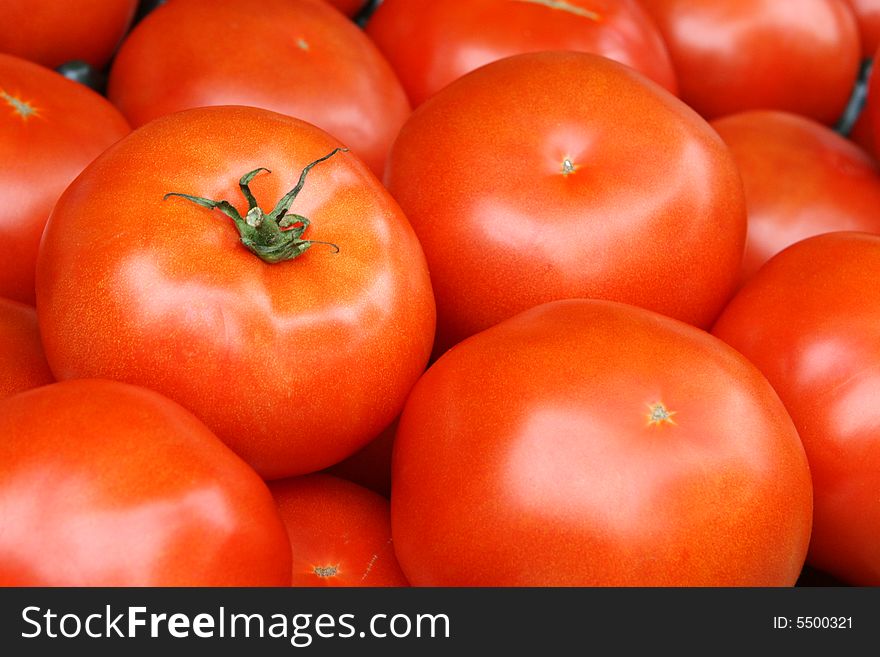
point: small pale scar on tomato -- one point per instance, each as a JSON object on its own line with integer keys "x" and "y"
{"x": 659, "y": 415}
{"x": 564, "y": 5}
{"x": 326, "y": 571}
{"x": 24, "y": 109}
{"x": 302, "y": 44}
{"x": 568, "y": 167}
{"x": 370, "y": 565}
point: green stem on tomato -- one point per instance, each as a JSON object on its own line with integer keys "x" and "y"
{"x": 273, "y": 237}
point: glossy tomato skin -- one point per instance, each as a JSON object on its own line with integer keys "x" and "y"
{"x": 542, "y": 427}
{"x": 737, "y": 55}
{"x": 22, "y": 362}
{"x": 295, "y": 365}
{"x": 51, "y": 33}
{"x": 296, "y": 57}
{"x": 106, "y": 484}
{"x": 50, "y": 129}
{"x": 430, "y": 43}
{"x": 340, "y": 533}
{"x": 810, "y": 320}
{"x": 801, "y": 179}
{"x": 588, "y": 181}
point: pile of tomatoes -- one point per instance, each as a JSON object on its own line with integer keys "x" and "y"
{"x": 462, "y": 292}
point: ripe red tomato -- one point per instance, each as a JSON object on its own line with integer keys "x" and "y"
{"x": 736, "y": 55}
{"x": 430, "y": 43}
{"x": 867, "y": 13}
{"x": 297, "y": 57}
{"x": 106, "y": 484}
{"x": 295, "y": 364}
{"x": 801, "y": 179}
{"x": 370, "y": 466}
{"x": 51, "y": 33}
{"x": 587, "y": 181}
{"x": 594, "y": 443}
{"x": 340, "y": 533}
{"x": 810, "y": 320}
{"x": 50, "y": 129}
{"x": 22, "y": 361}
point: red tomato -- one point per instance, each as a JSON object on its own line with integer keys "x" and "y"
{"x": 736, "y": 55}
{"x": 296, "y": 364}
{"x": 594, "y": 443}
{"x": 867, "y": 13}
{"x": 105, "y": 484}
{"x": 297, "y": 57}
{"x": 801, "y": 179}
{"x": 51, "y": 33}
{"x": 587, "y": 181}
{"x": 50, "y": 129}
{"x": 810, "y": 320}
{"x": 340, "y": 533}
{"x": 431, "y": 43}
{"x": 370, "y": 466}
{"x": 22, "y": 361}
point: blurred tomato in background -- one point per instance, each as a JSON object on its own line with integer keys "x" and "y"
{"x": 801, "y": 179}
{"x": 51, "y": 32}
{"x": 736, "y": 55}
{"x": 431, "y": 43}
{"x": 50, "y": 129}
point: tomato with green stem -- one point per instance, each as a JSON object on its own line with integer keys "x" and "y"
{"x": 295, "y": 334}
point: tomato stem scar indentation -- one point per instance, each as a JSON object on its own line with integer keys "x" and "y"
{"x": 326, "y": 571}
{"x": 23, "y": 109}
{"x": 658, "y": 414}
